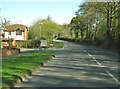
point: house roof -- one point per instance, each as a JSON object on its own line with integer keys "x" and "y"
{"x": 15, "y": 27}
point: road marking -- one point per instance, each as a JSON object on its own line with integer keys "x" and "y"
{"x": 89, "y": 54}
{"x": 106, "y": 71}
{"x": 113, "y": 77}
{"x": 96, "y": 61}
{"x": 92, "y": 58}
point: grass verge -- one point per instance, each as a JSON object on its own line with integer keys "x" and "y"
{"x": 58, "y": 45}
{"x": 15, "y": 68}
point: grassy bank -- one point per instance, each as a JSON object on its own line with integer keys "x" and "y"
{"x": 17, "y": 67}
{"x": 58, "y": 45}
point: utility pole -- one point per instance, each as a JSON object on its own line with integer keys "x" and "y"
{"x": 40, "y": 28}
{"x": 40, "y": 23}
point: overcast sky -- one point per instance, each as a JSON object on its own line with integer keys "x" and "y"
{"x": 27, "y": 12}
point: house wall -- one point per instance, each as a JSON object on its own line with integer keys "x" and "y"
{"x": 6, "y": 35}
{"x": 13, "y": 35}
{"x": 26, "y": 34}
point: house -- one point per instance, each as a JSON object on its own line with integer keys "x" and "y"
{"x": 14, "y": 32}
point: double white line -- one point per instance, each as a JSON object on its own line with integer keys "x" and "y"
{"x": 100, "y": 65}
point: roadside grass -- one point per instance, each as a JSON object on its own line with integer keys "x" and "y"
{"x": 18, "y": 67}
{"x": 58, "y": 45}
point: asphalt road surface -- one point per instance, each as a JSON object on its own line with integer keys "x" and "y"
{"x": 77, "y": 66}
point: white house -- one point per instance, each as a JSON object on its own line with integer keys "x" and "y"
{"x": 15, "y": 32}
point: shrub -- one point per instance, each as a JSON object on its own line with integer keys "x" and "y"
{"x": 22, "y": 44}
{"x": 33, "y": 43}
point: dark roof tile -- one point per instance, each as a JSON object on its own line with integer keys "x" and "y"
{"x": 15, "y": 27}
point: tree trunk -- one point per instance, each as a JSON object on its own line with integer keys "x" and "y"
{"x": 87, "y": 32}
{"x": 76, "y": 34}
{"x": 108, "y": 38}
{"x": 71, "y": 34}
{"x": 110, "y": 23}
{"x": 118, "y": 33}
{"x": 81, "y": 34}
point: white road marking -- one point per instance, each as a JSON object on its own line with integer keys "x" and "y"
{"x": 118, "y": 82}
{"x": 96, "y": 61}
{"x": 113, "y": 77}
{"x": 89, "y": 54}
{"x": 92, "y": 57}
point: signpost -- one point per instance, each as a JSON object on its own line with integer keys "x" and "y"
{"x": 43, "y": 44}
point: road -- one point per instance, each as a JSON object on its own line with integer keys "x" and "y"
{"x": 77, "y": 66}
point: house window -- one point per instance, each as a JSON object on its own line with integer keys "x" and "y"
{"x": 18, "y": 31}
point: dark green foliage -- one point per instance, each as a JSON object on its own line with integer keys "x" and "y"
{"x": 96, "y": 23}
{"x": 21, "y": 44}
{"x": 46, "y": 29}
{"x": 35, "y": 43}
{"x": 29, "y": 44}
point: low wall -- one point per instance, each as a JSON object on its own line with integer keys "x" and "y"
{"x": 8, "y": 52}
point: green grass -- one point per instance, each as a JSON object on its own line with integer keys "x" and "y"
{"x": 17, "y": 67}
{"x": 58, "y": 45}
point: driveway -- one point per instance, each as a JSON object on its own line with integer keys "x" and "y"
{"x": 77, "y": 66}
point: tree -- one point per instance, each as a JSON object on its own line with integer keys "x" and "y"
{"x": 118, "y": 30}
{"x": 94, "y": 13}
{"x": 65, "y": 31}
{"x": 47, "y": 30}
{"x": 108, "y": 9}
{"x": 4, "y": 22}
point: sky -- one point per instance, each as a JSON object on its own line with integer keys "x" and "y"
{"x": 27, "y": 13}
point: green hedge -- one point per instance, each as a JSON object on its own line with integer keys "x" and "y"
{"x": 33, "y": 43}
{"x": 29, "y": 44}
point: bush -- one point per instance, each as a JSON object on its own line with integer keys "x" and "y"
{"x": 33, "y": 43}
{"x": 22, "y": 44}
